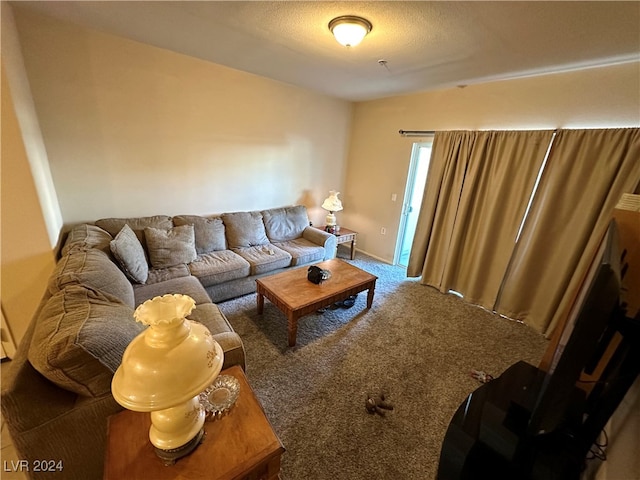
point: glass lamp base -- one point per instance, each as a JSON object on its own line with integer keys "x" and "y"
{"x": 330, "y": 220}
{"x": 169, "y": 457}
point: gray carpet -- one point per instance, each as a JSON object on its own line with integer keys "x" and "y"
{"x": 415, "y": 343}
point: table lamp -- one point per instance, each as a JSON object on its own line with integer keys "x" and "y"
{"x": 333, "y": 204}
{"x": 164, "y": 369}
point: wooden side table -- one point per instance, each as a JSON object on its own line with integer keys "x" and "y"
{"x": 344, "y": 235}
{"x": 240, "y": 445}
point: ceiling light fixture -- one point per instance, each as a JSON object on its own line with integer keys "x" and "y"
{"x": 349, "y": 30}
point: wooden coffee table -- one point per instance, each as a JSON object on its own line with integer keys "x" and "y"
{"x": 296, "y": 296}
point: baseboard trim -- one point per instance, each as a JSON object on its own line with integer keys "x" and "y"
{"x": 383, "y": 260}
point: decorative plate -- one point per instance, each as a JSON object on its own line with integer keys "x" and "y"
{"x": 220, "y": 396}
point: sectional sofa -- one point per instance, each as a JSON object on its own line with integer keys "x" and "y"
{"x": 56, "y": 395}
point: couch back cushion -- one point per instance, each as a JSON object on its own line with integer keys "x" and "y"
{"x": 209, "y": 232}
{"x": 284, "y": 224}
{"x": 168, "y": 248}
{"x": 130, "y": 255}
{"x": 137, "y": 224}
{"x": 244, "y": 229}
{"x": 86, "y": 236}
{"x": 94, "y": 269}
{"x": 79, "y": 339}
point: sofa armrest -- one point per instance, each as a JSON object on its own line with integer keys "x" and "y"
{"x": 322, "y": 238}
{"x": 28, "y": 398}
{"x": 75, "y": 441}
{"x": 233, "y": 348}
{"x": 48, "y": 422}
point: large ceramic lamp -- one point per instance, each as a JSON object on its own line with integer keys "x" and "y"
{"x": 333, "y": 204}
{"x": 164, "y": 369}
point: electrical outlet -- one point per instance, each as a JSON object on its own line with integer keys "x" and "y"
{"x": 383, "y": 231}
{"x": 394, "y": 197}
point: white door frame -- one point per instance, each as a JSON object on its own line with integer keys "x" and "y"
{"x": 7, "y": 343}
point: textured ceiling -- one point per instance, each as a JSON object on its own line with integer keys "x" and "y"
{"x": 426, "y": 45}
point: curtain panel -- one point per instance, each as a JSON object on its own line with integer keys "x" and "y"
{"x": 439, "y": 204}
{"x": 478, "y": 188}
{"x": 586, "y": 174}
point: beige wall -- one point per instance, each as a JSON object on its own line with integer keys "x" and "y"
{"x": 132, "y": 129}
{"x": 16, "y": 78}
{"x": 379, "y": 157}
{"x": 27, "y": 256}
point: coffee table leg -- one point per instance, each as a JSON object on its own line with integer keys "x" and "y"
{"x": 292, "y": 322}
{"x": 370, "y": 293}
{"x": 260, "y": 299}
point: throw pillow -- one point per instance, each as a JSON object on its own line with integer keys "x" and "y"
{"x": 130, "y": 255}
{"x": 209, "y": 232}
{"x": 284, "y": 224}
{"x": 245, "y": 229}
{"x": 79, "y": 339}
{"x": 168, "y": 248}
{"x": 137, "y": 224}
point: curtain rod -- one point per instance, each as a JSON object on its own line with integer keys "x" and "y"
{"x": 420, "y": 133}
{"x": 416, "y": 133}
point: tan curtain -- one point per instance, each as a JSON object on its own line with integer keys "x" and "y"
{"x": 447, "y": 166}
{"x": 478, "y": 188}
{"x": 586, "y": 173}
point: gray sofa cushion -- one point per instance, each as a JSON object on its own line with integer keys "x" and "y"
{"x": 86, "y": 236}
{"x": 157, "y": 275}
{"x": 302, "y": 251}
{"x": 184, "y": 285}
{"x": 219, "y": 267}
{"x": 94, "y": 269}
{"x": 209, "y": 232}
{"x": 244, "y": 229}
{"x": 79, "y": 339}
{"x": 170, "y": 247}
{"x": 127, "y": 249}
{"x": 282, "y": 224}
{"x": 264, "y": 258}
{"x": 137, "y": 224}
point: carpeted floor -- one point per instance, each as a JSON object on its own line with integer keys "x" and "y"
{"x": 415, "y": 343}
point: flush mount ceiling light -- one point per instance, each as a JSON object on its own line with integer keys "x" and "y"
{"x": 349, "y": 30}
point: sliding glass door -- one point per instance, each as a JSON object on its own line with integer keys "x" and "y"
{"x": 416, "y": 181}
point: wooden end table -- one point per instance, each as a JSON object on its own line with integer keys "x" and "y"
{"x": 344, "y": 235}
{"x": 296, "y": 296}
{"x": 240, "y": 445}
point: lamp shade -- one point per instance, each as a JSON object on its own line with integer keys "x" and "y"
{"x": 332, "y": 203}
{"x": 349, "y": 30}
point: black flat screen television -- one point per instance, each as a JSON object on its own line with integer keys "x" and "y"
{"x": 597, "y": 306}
